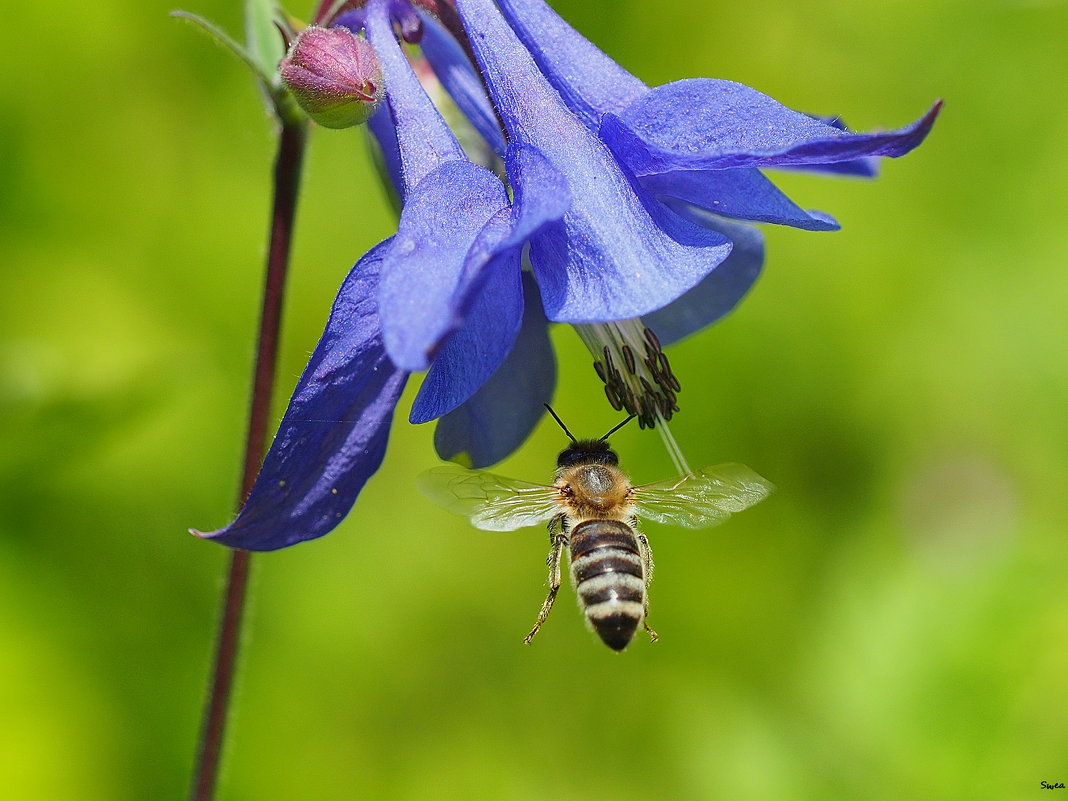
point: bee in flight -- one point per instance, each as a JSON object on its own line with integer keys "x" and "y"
{"x": 593, "y": 510}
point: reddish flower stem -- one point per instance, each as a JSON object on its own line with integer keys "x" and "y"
{"x": 287, "y": 170}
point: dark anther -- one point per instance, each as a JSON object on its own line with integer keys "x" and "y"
{"x": 628, "y": 357}
{"x": 600, "y": 371}
{"x": 649, "y": 335}
{"x": 639, "y": 402}
{"x": 613, "y": 397}
{"x": 665, "y": 366}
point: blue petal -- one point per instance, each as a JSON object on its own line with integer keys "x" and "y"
{"x": 542, "y": 194}
{"x": 743, "y": 194}
{"x": 354, "y": 20}
{"x": 473, "y": 353}
{"x": 589, "y": 81}
{"x": 453, "y": 68}
{"x": 426, "y": 272}
{"x": 615, "y": 253}
{"x": 721, "y": 291}
{"x": 865, "y": 167}
{"x": 489, "y": 295}
{"x": 424, "y": 140}
{"x": 447, "y": 201}
{"x": 333, "y": 435}
{"x": 500, "y": 416}
{"x": 727, "y": 125}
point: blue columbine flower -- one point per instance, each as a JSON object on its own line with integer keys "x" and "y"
{"x": 628, "y": 216}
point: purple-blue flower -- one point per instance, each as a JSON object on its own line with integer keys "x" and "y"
{"x": 621, "y": 216}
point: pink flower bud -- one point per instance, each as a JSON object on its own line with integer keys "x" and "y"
{"x": 334, "y": 76}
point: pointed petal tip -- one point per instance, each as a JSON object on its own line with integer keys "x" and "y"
{"x": 934, "y": 111}
{"x": 823, "y": 221}
{"x": 733, "y": 125}
{"x": 208, "y": 535}
{"x": 923, "y": 125}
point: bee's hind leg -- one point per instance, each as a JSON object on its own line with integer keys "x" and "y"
{"x": 647, "y": 568}
{"x": 653, "y": 636}
{"x": 559, "y": 540}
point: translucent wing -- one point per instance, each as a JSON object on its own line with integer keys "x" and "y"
{"x": 490, "y": 502}
{"x": 703, "y": 498}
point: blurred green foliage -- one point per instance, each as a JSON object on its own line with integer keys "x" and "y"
{"x": 892, "y": 624}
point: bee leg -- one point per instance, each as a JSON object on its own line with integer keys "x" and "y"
{"x": 647, "y": 558}
{"x": 653, "y": 636}
{"x": 559, "y": 541}
{"x": 647, "y": 569}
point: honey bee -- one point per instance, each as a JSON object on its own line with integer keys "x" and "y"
{"x": 593, "y": 509}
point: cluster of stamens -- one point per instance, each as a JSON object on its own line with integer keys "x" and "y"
{"x": 635, "y": 370}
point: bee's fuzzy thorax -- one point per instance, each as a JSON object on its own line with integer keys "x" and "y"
{"x": 595, "y": 490}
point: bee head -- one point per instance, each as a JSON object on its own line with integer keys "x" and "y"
{"x": 587, "y": 451}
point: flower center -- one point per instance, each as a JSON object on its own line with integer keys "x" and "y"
{"x": 635, "y": 370}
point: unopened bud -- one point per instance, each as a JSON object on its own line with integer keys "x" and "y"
{"x": 334, "y": 76}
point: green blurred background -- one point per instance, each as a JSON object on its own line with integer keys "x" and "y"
{"x": 892, "y": 624}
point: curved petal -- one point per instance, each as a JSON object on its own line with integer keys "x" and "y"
{"x": 447, "y": 201}
{"x": 436, "y": 271}
{"x": 490, "y": 296}
{"x": 727, "y": 125}
{"x": 720, "y": 291}
{"x": 589, "y": 81}
{"x": 743, "y": 194}
{"x": 424, "y": 140}
{"x": 498, "y": 418}
{"x": 615, "y": 253}
{"x": 423, "y": 273}
{"x": 542, "y": 192}
{"x": 476, "y": 350}
{"x": 456, "y": 73}
{"x": 333, "y": 435}
{"x": 864, "y": 167}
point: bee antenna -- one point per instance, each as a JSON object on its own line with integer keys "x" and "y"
{"x": 614, "y": 430}
{"x": 556, "y": 417}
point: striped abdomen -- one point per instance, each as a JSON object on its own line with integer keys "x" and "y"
{"x": 608, "y": 572}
